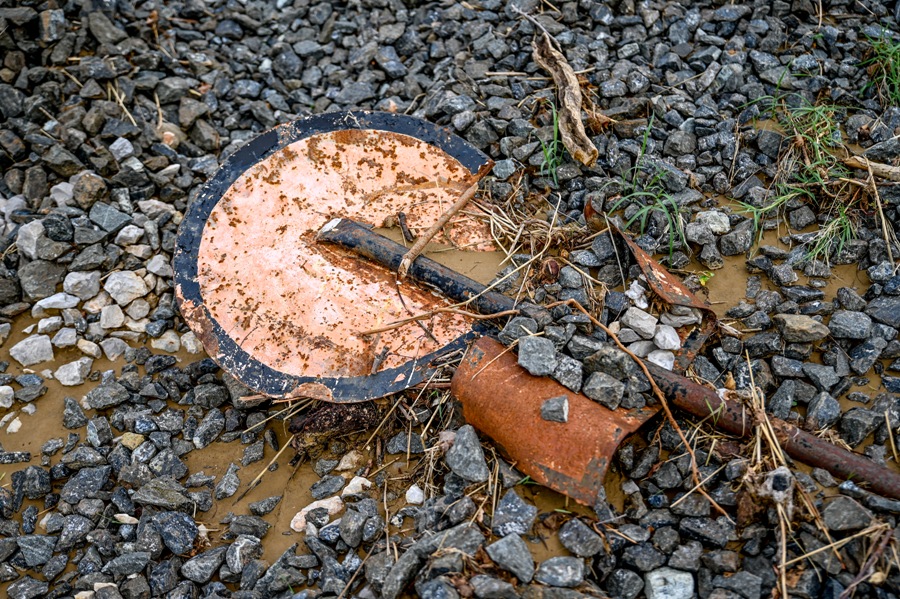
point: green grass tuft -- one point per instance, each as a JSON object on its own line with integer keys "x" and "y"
{"x": 884, "y": 67}
{"x": 647, "y": 193}
{"x": 552, "y": 150}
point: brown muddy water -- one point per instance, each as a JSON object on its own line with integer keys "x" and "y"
{"x": 725, "y": 288}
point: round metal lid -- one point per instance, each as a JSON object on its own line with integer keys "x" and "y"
{"x": 284, "y": 314}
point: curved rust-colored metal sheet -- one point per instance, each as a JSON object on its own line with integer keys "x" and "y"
{"x": 503, "y": 401}
{"x": 282, "y": 313}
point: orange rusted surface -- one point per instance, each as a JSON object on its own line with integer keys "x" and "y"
{"x": 503, "y": 401}
{"x": 299, "y": 307}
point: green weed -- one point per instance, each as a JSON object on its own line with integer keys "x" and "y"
{"x": 649, "y": 195}
{"x": 810, "y": 171}
{"x": 552, "y": 150}
{"x": 883, "y": 66}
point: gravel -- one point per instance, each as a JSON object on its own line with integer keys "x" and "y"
{"x": 113, "y": 118}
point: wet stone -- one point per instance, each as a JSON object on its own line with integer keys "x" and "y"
{"x": 201, "y": 568}
{"x": 513, "y": 515}
{"x": 555, "y": 409}
{"x": 668, "y": 583}
{"x": 518, "y": 326}
{"x": 705, "y": 530}
{"x": 823, "y": 377}
{"x": 466, "y": 456}
{"x": 604, "y": 389}
{"x": 512, "y": 554}
{"x": 624, "y": 584}
{"x": 229, "y": 484}
{"x": 327, "y": 486}
{"x": 403, "y": 442}
{"x": 642, "y": 557}
{"x": 537, "y": 355}
{"x": 178, "y": 531}
{"x": 579, "y": 539}
{"x": 560, "y": 571}
{"x": 823, "y": 411}
{"x": 844, "y": 514}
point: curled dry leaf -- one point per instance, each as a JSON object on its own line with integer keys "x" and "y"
{"x": 571, "y": 128}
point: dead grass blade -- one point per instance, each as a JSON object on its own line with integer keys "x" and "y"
{"x": 571, "y": 128}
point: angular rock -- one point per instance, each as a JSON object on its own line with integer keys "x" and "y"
{"x": 512, "y": 554}
{"x": 845, "y": 514}
{"x": 513, "y": 515}
{"x": 560, "y": 571}
{"x": 797, "y": 328}
{"x": 466, "y": 457}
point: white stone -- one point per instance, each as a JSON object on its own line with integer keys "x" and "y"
{"x": 112, "y": 317}
{"x": 62, "y": 193}
{"x": 138, "y": 309}
{"x": 638, "y": 295}
{"x": 356, "y": 486}
{"x": 666, "y": 337}
{"x": 640, "y": 322}
{"x": 415, "y": 495}
{"x": 159, "y": 265}
{"x": 662, "y": 358}
{"x": 125, "y": 286}
{"x": 717, "y": 222}
{"x": 113, "y": 348}
{"x": 14, "y": 426}
{"x": 27, "y": 239}
{"x": 96, "y": 303}
{"x": 83, "y": 285}
{"x": 121, "y": 149}
{"x": 50, "y": 325}
{"x": 89, "y": 348}
{"x": 333, "y": 504}
{"x": 5, "y": 330}
{"x": 642, "y": 348}
{"x": 127, "y": 335}
{"x": 137, "y": 326}
{"x": 168, "y": 342}
{"x": 190, "y": 343}
{"x": 154, "y": 208}
{"x": 7, "y": 394}
{"x": 668, "y": 583}
{"x": 32, "y": 350}
{"x": 66, "y": 337}
{"x": 73, "y": 373}
{"x": 141, "y": 251}
{"x": 31, "y": 408}
{"x": 95, "y": 330}
{"x": 129, "y": 235}
{"x": 351, "y": 461}
{"x": 131, "y": 164}
{"x": 58, "y": 301}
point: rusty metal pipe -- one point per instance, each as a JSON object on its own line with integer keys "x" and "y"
{"x": 734, "y": 418}
{"x": 499, "y": 398}
{"x": 381, "y": 250}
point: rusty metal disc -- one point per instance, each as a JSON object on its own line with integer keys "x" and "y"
{"x": 284, "y": 314}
